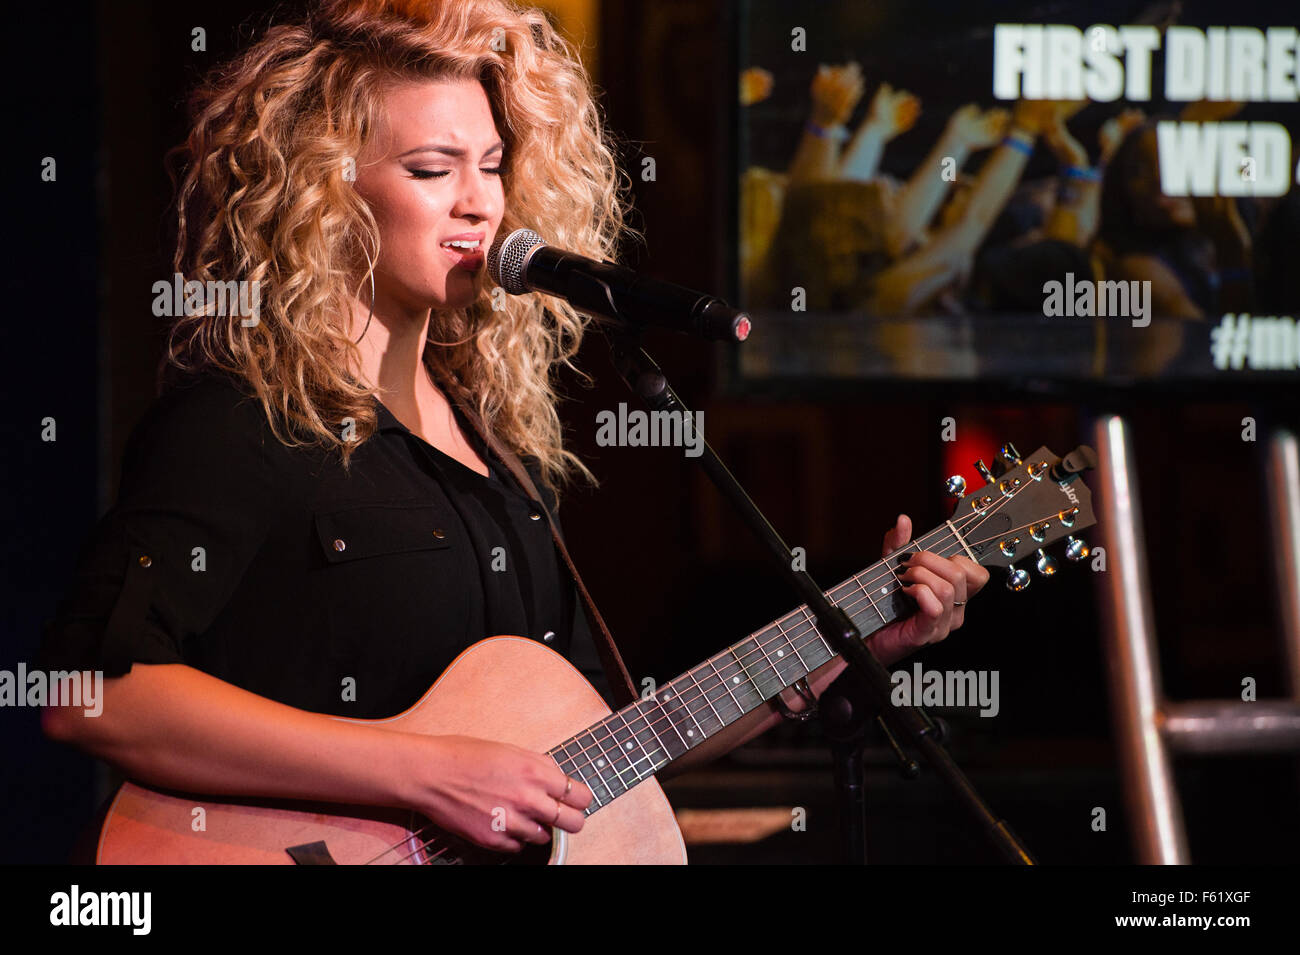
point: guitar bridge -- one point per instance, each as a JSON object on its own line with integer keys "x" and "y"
{"x": 311, "y": 853}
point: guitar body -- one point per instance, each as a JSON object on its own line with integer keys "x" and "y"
{"x": 506, "y": 689}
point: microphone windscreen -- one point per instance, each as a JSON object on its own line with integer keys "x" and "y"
{"x": 505, "y": 260}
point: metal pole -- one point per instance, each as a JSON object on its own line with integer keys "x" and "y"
{"x": 1284, "y": 522}
{"x": 1132, "y": 660}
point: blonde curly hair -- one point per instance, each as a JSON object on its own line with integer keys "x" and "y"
{"x": 262, "y": 196}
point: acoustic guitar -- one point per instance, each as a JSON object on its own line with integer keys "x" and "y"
{"x": 515, "y": 690}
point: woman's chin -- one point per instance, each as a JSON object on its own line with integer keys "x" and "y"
{"x": 461, "y": 291}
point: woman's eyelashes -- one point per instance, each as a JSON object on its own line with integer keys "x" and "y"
{"x": 439, "y": 173}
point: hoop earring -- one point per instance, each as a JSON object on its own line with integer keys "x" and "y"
{"x": 372, "y": 301}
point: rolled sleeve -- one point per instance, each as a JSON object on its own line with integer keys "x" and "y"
{"x": 196, "y": 501}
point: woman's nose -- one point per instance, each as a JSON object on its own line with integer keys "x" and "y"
{"x": 478, "y": 196}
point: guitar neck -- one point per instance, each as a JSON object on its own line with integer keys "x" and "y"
{"x": 633, "y": 744}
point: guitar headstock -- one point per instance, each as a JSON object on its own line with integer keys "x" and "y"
{"x": 1025, "y": 506}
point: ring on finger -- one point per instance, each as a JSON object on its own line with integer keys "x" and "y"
{"x": 558, "y": 807}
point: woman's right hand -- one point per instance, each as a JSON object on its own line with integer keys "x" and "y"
{"x": 496, "y": 795}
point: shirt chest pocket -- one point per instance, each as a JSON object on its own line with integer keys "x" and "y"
{"x": 399, "y": 583}
{"x": 367, "y": 531}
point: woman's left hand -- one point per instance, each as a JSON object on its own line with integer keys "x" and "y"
{"x": 940, "y": 586}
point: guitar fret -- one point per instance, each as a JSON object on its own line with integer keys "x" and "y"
{"x": 795, "y": 638}
{"x": 599, "y": 764}
{"x": 654, "y": 705}
{"x": 565, "y": 760}
{"x": 884, "y": 591}
{"x": 670, "y": 694}
{"x": 583, "y": 768}
{"x": 723, "y": 682}
{"x": 575, "y": 766}
{"x": 768, "y": 660}
{"x": 812, "y": 622}
{"x": 857, "y": 579}
{"x": 798, "y": 635}
{"x": 791, "y": 644}
{"x": 610, "y": 761}
{"x": 657, "y": 758}
{"x": 749, "y": 683}
{"x": 791, "y": 665}
{"x": 628, "y": 741}
{"x": 705, "y": 694}
{"x": 694, "y": 732}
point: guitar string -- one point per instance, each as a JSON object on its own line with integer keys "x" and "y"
{"x": 808, "y": 625}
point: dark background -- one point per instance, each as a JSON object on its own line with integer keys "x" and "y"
{"x": 101, "y": 88}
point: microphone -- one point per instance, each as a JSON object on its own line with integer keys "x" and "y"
{"x": 522, "y": 262}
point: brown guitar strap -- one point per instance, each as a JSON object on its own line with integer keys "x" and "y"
{"x": 620, "y": 681}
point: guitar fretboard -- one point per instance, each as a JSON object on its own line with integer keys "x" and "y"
{"x": 633, "y": 744}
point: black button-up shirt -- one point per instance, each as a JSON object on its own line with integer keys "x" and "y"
{"x": 271, "y": 568}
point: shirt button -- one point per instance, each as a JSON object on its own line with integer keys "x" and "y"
{"x": 340, "y": 545}
{"x": 548, "y": 636}
{"x": 439, "y": 533}
{"x": 145, "y": 561}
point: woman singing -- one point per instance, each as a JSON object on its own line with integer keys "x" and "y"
{"x": 308, "y": 524}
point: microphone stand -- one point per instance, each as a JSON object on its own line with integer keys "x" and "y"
{"x": 648, "y": 383}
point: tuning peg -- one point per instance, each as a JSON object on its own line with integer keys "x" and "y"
{"x": 984, "y": 471}
{"x": 1045, "y": 564}
{"x": 1010, "y": 455}
{"x": 1017, "y": 579}
{"x": 955, "y": 486}
{"x": 1075, "y": 549}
